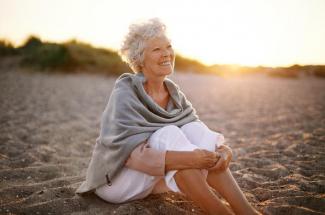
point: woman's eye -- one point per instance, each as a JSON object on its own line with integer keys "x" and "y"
{"x": 156, "y": 49}
{"x": 170, "y": 47}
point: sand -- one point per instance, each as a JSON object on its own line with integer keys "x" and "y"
{"x": 49, "y": 123}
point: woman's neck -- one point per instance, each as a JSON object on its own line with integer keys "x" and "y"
{"x": 155, "y": 88}
{"x": 154, "y": 84}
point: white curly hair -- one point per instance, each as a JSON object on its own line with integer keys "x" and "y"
{"x": 134, "y": 43}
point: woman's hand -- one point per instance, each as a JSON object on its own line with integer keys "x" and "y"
{"x": 204, "y": 159}
{"x": 225, "y": 153}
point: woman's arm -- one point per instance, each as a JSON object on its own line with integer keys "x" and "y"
{"x": 197, "y": 159}
{"x": 157, "y": 163}
{"x": 148, "y": 160}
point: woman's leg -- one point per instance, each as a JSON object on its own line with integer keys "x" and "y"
{"x": 222, "y": 181}
{"x": 191, "y": 182}
{"x": 225, "y": 184}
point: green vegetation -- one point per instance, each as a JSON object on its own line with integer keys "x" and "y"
{"x": 189, "y": 65}
{"x": 85, "y": 57}
{"x": 7, "y": 49}
{"x": 71, "y": 57}
{"x": 44, "y": 55}
{"x": 74, "y": 56}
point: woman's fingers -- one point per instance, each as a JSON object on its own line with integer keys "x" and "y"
{"x": 218, "y": 160}
{"x": 219, "y": 165}
{"x": 204, "y": 159}
{"x": 227, "y": 157}
{"x": 211, "y": 158}
{"x": 226, "y": 153}
{"x": 223, "y": 162}
{"x": 227, "y": 161}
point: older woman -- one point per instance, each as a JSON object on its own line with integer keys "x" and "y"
{"x": 151, "y": 139}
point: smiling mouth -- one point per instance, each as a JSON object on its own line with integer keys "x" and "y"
{"x": 165, "y": 63}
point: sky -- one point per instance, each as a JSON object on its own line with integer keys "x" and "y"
{"x": 242, "y": 32}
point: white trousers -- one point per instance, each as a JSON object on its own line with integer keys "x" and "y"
{"x": 131, "y": 184}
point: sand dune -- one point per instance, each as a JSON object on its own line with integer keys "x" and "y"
{"x": 49, "y": 123}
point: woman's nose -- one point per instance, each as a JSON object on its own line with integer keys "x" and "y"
{"x": 166, "y": 53}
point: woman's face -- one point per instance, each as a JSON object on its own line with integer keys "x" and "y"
{"x": 159, "y": 57}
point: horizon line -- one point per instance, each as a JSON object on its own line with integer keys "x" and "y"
{"x": 23, "y": 41}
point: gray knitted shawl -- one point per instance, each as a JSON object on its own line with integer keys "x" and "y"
{"x": 128, "y": 120}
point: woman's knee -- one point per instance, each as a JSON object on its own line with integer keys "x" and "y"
{"x": 170, "y": 137}
{"x": 200, "y": 135}
{"x": 166, "y": 132}
{"x": 170, "y": 129}
{"x": 196, "y": 127}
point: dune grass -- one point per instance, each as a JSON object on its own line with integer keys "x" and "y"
{"x": 70, "y": 57}
{"x": 7, "y": 49}
{"x": 74, "y": 56}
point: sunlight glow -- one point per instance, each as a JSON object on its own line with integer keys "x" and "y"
{"x": 251, "y": 32}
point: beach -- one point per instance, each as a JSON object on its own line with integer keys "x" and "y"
{"x": 49, "y": 124}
